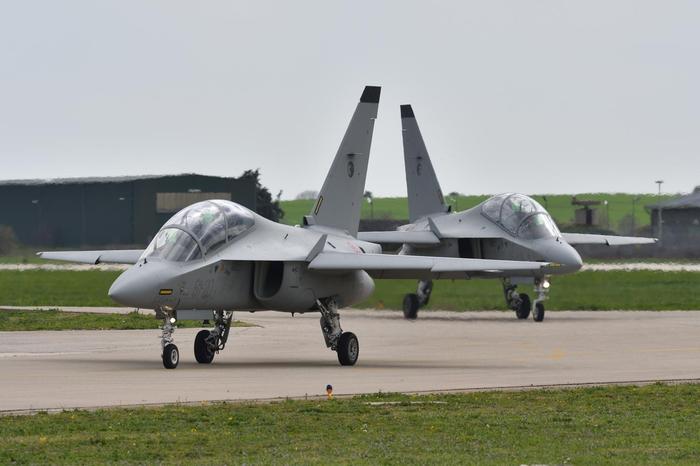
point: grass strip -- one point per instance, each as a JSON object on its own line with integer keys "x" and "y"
{"x": 656, "y": 424}
{"x": 591, "y": 290}
{"x": 13, "y": 321}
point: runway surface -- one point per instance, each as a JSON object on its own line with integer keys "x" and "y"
{"x": 286, "y": 356}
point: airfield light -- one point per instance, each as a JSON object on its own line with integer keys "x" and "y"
{"x": 329, "y": 391}
{"x": 173, "y": 320}
{"x": 545, "y": 284}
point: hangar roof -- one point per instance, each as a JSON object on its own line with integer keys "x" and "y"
{"x": 86, "y": 180}
{"x": 689, "y": 201}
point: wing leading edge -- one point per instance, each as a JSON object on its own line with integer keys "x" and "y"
{"x": 409, "y": 237}
{"x": 608, "y": 240}
{"x": 333, "y": 261}
{"x": 125, "y": 256}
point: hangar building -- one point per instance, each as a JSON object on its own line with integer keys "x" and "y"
{"x": 108, "y": 211}
{"x": 679, "y": 220}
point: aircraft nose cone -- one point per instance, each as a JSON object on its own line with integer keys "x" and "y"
{"x": 568, "y": 258}
{"x": 564, "y": 255}
{"x": 134, "y": 288}
{"x": 573, "y": 261}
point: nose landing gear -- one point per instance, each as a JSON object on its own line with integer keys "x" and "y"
{"x": 170, "y": 353}
{"x": 542, "y": 289}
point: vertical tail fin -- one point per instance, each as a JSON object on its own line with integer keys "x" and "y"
{"x": 340, "y": 200}
{"x": 424, "y": 193}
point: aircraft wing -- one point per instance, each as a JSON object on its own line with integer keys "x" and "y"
{"x": 410, "y": 237}
{"x": 126, "y": 256}
{"x": 334, "y": 261}
{"x": 607, "y": 240}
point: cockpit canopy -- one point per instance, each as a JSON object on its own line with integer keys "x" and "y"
{"x": 520, "y": 216}
{"x": 200, "y": 229}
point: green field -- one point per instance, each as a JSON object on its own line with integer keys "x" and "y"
{"x": 56, "y": 288}
{"x": 620, "y": 208}
{"x": 617, "y": 290}
{"x": 655, "y": 424}
{"x": 52, "y": 319}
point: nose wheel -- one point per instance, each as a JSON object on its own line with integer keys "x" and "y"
{"x": 538, "y": 312}
{"x": 542, "y": 289}
{"x": 171, "y": 356}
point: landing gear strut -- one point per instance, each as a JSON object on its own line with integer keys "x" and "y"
{"x": 344, "y": 343}
{"x": 412, "y": 302}
{"x": 170, "y": 354}
{"x": 209, "y": 342}
{"x": 542, "y": 289}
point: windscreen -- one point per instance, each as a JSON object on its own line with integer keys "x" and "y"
{"x": 209, "y": 224}
{"x": 538, "y": 226}
{"x": 172, "y": 244}
{"x": 520, "y": 215}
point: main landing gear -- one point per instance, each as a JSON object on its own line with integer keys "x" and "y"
{"x": 206, "y": 344}
{"x": 344, "y": 343}
{"x": 209, "y": 342}
{"x": 412, "y": 302}
{"x": 521, "y": 303}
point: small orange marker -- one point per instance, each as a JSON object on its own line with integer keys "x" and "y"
{"x": 329, "y": 391}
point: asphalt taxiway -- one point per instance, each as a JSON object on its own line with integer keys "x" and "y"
{"x": 284, "y": 356}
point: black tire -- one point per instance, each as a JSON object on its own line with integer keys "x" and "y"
{"x": 171, "y": 356}
{"x": 348, "y": 349}
{"x": 411, "y": 304}
{"x": 202, "y": 353}
{"x": 538, "y": 314}
{"x": 523, "y": 310}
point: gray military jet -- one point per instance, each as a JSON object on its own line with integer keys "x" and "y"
{"x": 216, "y": 256}
{"x": 509, "y": 226}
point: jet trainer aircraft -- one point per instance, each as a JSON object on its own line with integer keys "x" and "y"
{"x": 509, "y": 226}
{"x": 215, "y": 257}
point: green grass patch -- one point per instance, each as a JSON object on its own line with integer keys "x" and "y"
{"x": 620, "y": 208}
{"x": 53, "y": 319}
{"x": 56, "y": 288}
{"x": 616, "y": 425}
{"x": 614, "y": 290}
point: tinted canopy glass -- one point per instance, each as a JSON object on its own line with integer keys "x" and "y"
{"x": 520, "y": 215}
{"x": 172, "y": 244}
{"x": 209, "y": 224}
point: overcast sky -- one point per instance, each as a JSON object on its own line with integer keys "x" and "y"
{"x": 534, "y": 96}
